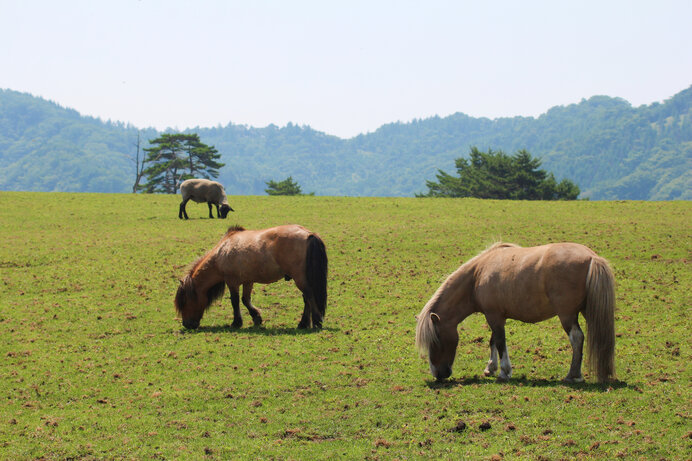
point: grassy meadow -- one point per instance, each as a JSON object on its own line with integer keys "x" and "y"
{"x": 96, "y": 365}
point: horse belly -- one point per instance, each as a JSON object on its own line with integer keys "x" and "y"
{"x": 267, "y": 275}
{"x": 248, "y": 265}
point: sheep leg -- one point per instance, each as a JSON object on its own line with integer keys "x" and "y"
{"x": 211, "y": 216}
{"x": 182, "y": 211}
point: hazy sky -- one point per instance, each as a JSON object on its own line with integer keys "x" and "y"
{"x": 341, "y": 67}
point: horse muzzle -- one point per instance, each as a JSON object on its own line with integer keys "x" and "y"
{"x": 441, "y": 373}
{"x": 191, "y": 324}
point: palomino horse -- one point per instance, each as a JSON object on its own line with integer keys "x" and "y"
{"x": 530, "y": 285}
{"x": 244, "y": 257}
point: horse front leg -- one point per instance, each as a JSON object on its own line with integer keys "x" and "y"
{"x": 492, "y": 366}
{"x": 498, "y": 338}
{"x": 576, "y": 339}
{"x": 247, "y": 301}
{"x": 235, "y": 302}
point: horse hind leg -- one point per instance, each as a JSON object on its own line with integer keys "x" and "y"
{"x": 491, "y": 367}
{"x": 247, "y": 302}
{"x": 316, "y": 314}
{"x": 310, "y": 312}
{"x": 576, "y": 339}
{"x": 305, "y": 318}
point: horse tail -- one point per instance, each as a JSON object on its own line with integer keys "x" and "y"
{"x": 599, "y": 313}
{"x": 316, "y": 271}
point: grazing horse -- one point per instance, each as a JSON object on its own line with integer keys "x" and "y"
{"x": 530, "y": 285}
{"x": 244, "y": 257}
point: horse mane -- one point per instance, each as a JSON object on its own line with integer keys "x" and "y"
{"x": 192, "y": 268}
{"x": 187, "y": 288}
{"x": 233, "y": 229}
{"x": 495, "y": 246}
{"x": 426, "y": 335}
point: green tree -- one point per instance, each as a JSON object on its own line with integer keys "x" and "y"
{"x": 176, "y": 157}
{"x": 286, "y": 187}
{"x": 496, "y": 175}
{"x": 526, "y": 178}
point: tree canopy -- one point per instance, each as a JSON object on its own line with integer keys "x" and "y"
{"x": 496, "y": 175}
{"x": 286, "y": 187}
{"x": 177, "y": 157}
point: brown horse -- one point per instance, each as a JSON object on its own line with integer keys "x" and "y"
{"x": 244, "y": 257}
{"x": 530, "y": 285}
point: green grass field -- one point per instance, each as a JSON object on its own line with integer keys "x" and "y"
{"x": 96, "y": 365}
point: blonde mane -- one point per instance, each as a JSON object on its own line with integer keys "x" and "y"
{"x": 426, "y": 335}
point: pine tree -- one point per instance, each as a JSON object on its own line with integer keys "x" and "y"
{"x": 177, "y": 157}
{"x": 286, "y": 187}
{"x": 496, "y": 175}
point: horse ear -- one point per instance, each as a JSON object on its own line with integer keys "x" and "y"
{"x": 435, "y": 318}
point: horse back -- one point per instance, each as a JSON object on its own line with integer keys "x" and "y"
{"x": 533, "y": 284}
{"x": 264, "y": 256}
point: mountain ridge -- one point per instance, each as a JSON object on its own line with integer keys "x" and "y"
{"x": 611, "y": 149}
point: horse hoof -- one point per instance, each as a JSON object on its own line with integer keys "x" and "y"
{"x": 503, "y": 377}
{"x": 236, "y": 324}
{"x": 571, "y": 380}
{"x": 302, "y": 326}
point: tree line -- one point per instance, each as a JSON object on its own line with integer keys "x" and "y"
{"x": 173, "y": 158}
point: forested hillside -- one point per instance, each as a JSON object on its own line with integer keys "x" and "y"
{"x": 610, "y": 149}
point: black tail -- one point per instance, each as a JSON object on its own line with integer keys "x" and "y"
{"x": 316, "y": 271}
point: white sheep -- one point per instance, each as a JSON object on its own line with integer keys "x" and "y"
{"x": 204, "y": 190}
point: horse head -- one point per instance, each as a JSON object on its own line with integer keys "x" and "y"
{"x": 187, "y": 304}
{"x": 439, "y": 339}
{"x": 191, "y": 304}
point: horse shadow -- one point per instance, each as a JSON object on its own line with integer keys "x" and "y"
{"x": 259, "y": 330}
{"x": 523, "y": 381}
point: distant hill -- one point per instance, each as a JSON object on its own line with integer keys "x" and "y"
{"x": 609, "y": 148}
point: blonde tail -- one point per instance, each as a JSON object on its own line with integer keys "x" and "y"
{"x": 600, "y": 319}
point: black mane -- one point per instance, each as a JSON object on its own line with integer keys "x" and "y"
{"x": 234, "y": 229}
